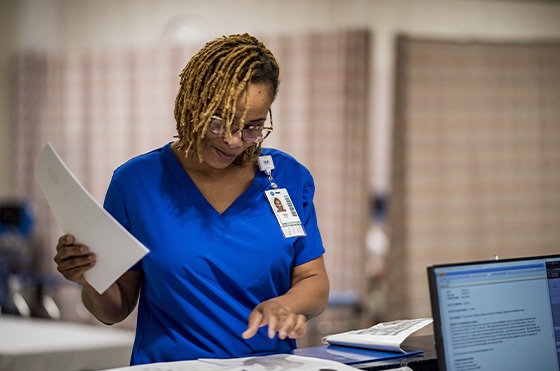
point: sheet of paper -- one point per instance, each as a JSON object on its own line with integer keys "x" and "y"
{"x": 275, "y": 362}
{"x": 279, "y": 362}
{"x": 78, "y": 213}
{"x": 174, "y": 366}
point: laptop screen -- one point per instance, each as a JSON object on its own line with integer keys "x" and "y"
{"x": 497, "y": 314}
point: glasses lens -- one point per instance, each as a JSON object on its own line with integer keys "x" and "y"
{"x": 259, "y": 132}
{"x": 253, "y": 134}
{"x": 217, "y": 126}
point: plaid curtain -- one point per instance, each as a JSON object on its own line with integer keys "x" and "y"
{"x": 476, "y": 158}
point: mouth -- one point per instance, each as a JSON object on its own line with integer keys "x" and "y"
{"x": 225, "y": 155}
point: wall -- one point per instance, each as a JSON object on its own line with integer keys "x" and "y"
{"x": 7, "y": 40}
{"x": 83, "y": 24}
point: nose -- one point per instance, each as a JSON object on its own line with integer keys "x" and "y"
{"x": 235, "y": 140}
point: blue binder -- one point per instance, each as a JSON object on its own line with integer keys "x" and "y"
{"x": 350, "y": 355}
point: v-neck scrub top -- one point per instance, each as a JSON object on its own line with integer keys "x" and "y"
{"x": 207, "y": 271}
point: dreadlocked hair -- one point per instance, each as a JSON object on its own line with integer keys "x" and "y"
{"x": 214, "y": 78}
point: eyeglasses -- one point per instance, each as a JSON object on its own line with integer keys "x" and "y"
{"x": 249, "y": 134}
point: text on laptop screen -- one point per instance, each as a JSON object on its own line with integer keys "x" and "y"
{"x": 499, "y": 315}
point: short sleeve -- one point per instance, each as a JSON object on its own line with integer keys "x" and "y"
{"x": 308, "y": 247}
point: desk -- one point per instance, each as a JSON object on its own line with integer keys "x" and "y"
{"x": 28, "y": 344}
{"x": 40, "y": 344}
{"x": 426, "y": 361}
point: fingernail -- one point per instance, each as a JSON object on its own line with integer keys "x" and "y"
{"x": 83, "y": 249}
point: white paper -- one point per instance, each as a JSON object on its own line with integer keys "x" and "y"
{"x": 174, "y": 366}
{"x": 274, "y": 362}
{"x": 279, "y": 362}
{"x": 79, "y": 214}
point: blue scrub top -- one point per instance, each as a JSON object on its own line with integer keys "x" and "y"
{"x": 207, "y": 271}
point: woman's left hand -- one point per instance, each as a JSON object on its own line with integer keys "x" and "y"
{"x": 279, "y": 319}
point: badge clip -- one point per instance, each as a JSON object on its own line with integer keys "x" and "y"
{"x": 266, "y": 165}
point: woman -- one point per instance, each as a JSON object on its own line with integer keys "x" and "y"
{"x": 278, "y": 204}
{"x": 223, "y": 278}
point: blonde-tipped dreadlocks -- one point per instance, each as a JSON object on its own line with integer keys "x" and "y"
{"x": 214, "y": 78}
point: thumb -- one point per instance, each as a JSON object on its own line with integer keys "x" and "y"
{"x": 255, "y": 319}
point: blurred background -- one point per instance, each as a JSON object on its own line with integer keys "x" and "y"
{"x": 432, "y": 129}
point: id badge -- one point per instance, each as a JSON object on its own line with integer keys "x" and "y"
{"x": 285, "y": 212}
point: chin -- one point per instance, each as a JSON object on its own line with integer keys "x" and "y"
{"x": 220, "y": 163}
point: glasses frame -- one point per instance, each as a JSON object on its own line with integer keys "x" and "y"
{"x": 266, "y": 130}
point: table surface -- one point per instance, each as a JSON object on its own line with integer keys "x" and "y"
{"x": 67, "y": 346}
{"x": 26, "y": 343}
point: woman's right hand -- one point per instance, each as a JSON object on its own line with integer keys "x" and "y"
{"x": 72, "y": 261}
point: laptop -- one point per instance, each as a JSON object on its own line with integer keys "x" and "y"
{"x": 497, "y": 314}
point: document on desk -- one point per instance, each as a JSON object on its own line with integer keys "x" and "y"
{"x": 276, "y": 362}
{"x": 279, "y": 362}
{"x": 79, "y": 214}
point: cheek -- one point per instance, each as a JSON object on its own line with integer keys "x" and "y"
{"x": 204, "y": 142}
{"x": 246, "y": 146}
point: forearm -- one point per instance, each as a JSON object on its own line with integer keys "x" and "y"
{"x": 309, "y": 296}
{"x": 109, "y": 307}
{"x": 117, "y": 302}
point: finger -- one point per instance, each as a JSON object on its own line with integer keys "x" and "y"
{"x": 73, "y": 261}
{"x": 75, "y": 273}
{"x": 287, "y": 325}
{"x": 71, "y": 268}
{"x": 65, "y": 240}
{"x": 272, "y": 326}
{"x": 85, "y": 261}
{"x": 70, "y": 251}
{"x": 299, "y": 329}
{"x": 255, "y": 319}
